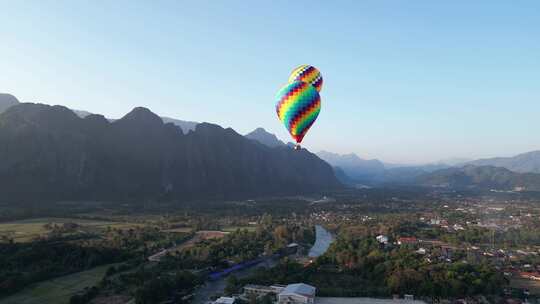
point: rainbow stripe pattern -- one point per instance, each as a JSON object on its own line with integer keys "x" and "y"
{"x": 309, "y": 74}
{"x": 298, "y": 105}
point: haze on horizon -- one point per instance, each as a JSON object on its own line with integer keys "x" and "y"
{"x": 404, "y": 82}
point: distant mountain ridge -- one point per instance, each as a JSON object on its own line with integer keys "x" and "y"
{"x": 481, "y": 177}
{"x": 353, "y": 166}
{"x": 138, "y": 157}
{"x": 353, "y": 170}
{"x": 522, "y": 163}
{"x": 185, "y": 125}
{"x": 6, "y": 101}
{"x": 265, "y": 138}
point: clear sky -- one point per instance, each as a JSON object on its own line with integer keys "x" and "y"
{"x": 404, "y": 81}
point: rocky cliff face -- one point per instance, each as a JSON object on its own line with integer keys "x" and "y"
{"x": 265, "y": 138}
{"x": 50, "y": 153}
{"x": 6, "y": 101}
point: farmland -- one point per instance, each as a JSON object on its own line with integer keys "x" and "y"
{"x": 57, "y": 290}
{"x": 27, "y": 230}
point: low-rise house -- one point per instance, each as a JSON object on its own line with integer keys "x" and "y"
{"x": 261, "y": 290}
{"x": 407, "y": 241}
{"x": 292, "y": 248}
{"x": 530, "y": 275}
{"x": 299, "y": 293}
{"x": 383, "y": 239}
{"x": 225, "y": 300}
{"x": 458, "y": 227}
{"x": 447, "y": 252}
{"x": 435, "y": 221}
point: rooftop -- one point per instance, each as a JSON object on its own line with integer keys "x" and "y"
{"x": 259, "y": 287}
{"x": 224, "y": 300}
{"x": 299, "y": 288}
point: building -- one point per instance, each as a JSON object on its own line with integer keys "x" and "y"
{"x": 383, "y": 239}
{"x": 435, "y": 221}
{"x": 225, "y": 300}
{"x": 299, "y": 293}
{"x": 421, "y": 251}
{"x": 261, "y": 291}
{"x": 292, "y": 248}
{"x": 530, "y": 275}
{"x": 407, "y": 241}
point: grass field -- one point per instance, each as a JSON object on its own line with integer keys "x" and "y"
{"x": 234, "y": 228}
{"x": 59, "y": 290}
{"x": 26, "y": 230}
{"x": 180, "y": 230}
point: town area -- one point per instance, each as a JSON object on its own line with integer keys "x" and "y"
{"x": 366, "y": 246}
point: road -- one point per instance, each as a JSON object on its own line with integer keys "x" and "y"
{"x": 211, "y": 288}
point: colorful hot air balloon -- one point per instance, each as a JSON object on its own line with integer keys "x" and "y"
{"x": 298, "y": 105}
{"x": 309, "y": 74}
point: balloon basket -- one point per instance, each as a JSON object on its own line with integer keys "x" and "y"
{"x": 297, "y": 147}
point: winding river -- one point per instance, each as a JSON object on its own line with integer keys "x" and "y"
{"x": 323, "y": 239}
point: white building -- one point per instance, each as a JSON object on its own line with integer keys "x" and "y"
{"x": 383, "y": 239}
{"x": 299, "y": 293}
{"x": 261, "y": 291}
{"x": 224, "y": 300}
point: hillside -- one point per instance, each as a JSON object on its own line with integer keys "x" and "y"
{"x": 522, "y": 163}
{"x": 265, "y": 138}
{"x": 353, "y": 166}
{"x": 482, "y": 177}
{"x": 6, "y": 101}
{"x": 50, "y": 153}
{"x": 186, "y": 126}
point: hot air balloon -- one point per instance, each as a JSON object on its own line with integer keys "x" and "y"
{"x": 298, "y": 105}
{"x": 309, "y": 74}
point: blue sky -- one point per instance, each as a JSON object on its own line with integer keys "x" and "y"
{"x": 405, "y": 81}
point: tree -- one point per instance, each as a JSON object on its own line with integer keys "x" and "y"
{"x": 232, "y": 285}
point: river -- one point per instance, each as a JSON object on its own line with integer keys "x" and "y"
{"x": 323, "y": 239}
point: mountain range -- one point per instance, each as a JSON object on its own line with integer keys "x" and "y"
{"x": 481, "y": 177}
{"x": 523, "y": 163}
{"x": 6, "y": 101}
{"x": 77, "y": 156}
{"x": 185, "y": 125}
{"x": 358, "y": 169}
{"x": 265, "y": 138}
{"x": 352, "y": 170}
{"x": 50, "y": 153}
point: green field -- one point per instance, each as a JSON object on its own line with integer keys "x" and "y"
{"x": 26, "y": 230}
{"x": 59, "y": 290}
{"x": 234, "y": 228}
{"x": 180, "y": 230}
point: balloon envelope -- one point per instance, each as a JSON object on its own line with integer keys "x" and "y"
{"x": 298, "y": 105}
{"x": 309, "y": 74}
